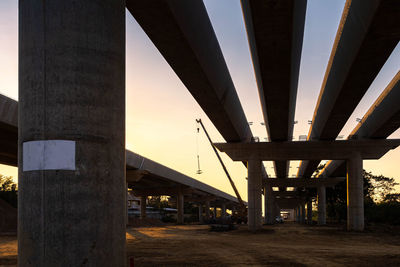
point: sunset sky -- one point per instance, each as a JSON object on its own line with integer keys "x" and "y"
{"x": 161, "y": 113}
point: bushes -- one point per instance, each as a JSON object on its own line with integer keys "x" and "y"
{"x": 384, "y": 212}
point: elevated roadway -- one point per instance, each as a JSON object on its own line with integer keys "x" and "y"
{"x": 182, "y": 32}
{"x": 275, "y": 34}
{"x": 380, "y": 121}
{"x": 367, "y": 34}
{"x": 144, "y": 174}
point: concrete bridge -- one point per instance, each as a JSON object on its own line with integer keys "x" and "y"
{"x": 147, "y": 177}
{"x": 72, "y": 113}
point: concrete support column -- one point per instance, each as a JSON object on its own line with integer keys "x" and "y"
{"x": 208, "y": 210}
{"x": 127, "y": 205}
{"x": 355, "y": 194}
{"x": 321, "y": 195}
{"x": 269, "y": 205}
{"x": 309, "y": 212}
{"x": 303, "y": 213}
{"x": 277, "y": 210}
{"x": 71, "y": 133}
{"x": 254, "y": 187}
{"x": 297, "y": 214}
{"x": 201, "y": 218}
{"x": 143, "y": 207}
{"x": 223, "y": 210}
{"x": 180, "y": 208}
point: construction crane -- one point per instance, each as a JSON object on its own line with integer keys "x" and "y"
{"x": 242, "y": 212}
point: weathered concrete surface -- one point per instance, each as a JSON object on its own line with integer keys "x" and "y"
{"x": 302, "y": 213}
{"x": 355, "y": 193}
{"x": 275, "y": 33}
{"x": 309, "y": 212}
{"x": 380, "y": 121}
{"x": 207, "y": 211}
{"x": 321, "y": 201}
{"x": 201, "y": 217}
{"x": 72, "y": 87}
{"x": 180, "y": 208}
{"x": 143, "y": 207}
{"x": 367, "y": 34}
{"x": 254, "y": 186}
{"x": 269, "y": 205}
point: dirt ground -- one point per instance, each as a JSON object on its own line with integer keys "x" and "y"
{"x": 278, "y": 245}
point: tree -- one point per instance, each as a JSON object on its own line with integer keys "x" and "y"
{"x": 395, "y": 197}
{"x": 7, "y": 184}
{"x": 8, "y": 190}
{"x": 381, "y": 186}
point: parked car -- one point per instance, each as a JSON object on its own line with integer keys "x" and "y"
{"x": 278, "y": 219}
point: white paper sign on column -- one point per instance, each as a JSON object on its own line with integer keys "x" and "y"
{"x": 48, "y": 155}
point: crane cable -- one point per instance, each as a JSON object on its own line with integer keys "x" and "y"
{"x": 199, "y": 171}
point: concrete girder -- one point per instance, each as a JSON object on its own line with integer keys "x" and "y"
{"x": 288, "y": 203}
{"x": 307, "y": 183}
{"x": 380, "y": 121}
{"x": 135, "y": 161}
{"x": 182, "y": 32}
{"x": 275, "y": 35}
{"x": 367, "y": 34}
{"x": 369, "y": 149}
{"x": 135, "y": 175}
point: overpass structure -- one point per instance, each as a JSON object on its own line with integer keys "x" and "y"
{"x": 380, "y": 121}
{"x": 275, "y": 36}
{"x": 72, "y": 112}
{"x": 368, "y": 32}
{"x": 145, "y": 176}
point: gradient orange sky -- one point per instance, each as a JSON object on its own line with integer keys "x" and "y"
{"x": 161, "y": 113}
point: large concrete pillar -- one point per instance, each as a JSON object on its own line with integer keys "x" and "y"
{"x": 303, "y": 213}
{"x": 71, "y": 188}
{"x": 208, "y": 210}
{"x": 254, "y": 187}
{"x": 143, "y": 207}
{"x": 201, "y": 218}
{"x": 355, "y": 195}
{"x": 127, "y": 205}
{"x": 269, "y": 205}
{"x": 309, "y": 212}
{"x": 223, "y": 210}
{"x": 321, "y": 198}
{"x": 277, "y": 211}
{"x": 297, "y": 212}
{"x": 180, "y": 208}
